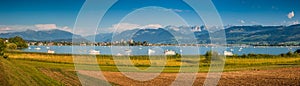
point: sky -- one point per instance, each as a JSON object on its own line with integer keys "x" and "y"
{"x": 20, "y": 15}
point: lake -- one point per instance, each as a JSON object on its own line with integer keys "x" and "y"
{"x": 143, "y": 50}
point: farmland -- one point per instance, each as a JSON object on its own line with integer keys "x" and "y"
{"x": 23, "y": 68}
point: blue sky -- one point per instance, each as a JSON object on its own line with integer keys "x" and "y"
{"x": 16, "y": 15}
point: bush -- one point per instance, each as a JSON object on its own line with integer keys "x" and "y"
{"x": 252, "y": 55}
{"x": 178, "y": 55}
{"x": 18, "y": 41}
{"x": 213, "y": 56}
{"x": 2, "y": 47}
{"x": 1, "y": 53}
{"x": 208, "y": 56}
{"x": 289, "y": 54}
{"x": 11, "y": 46}
{"x": 297, "y": 51}
{"x": 5, "y": 56}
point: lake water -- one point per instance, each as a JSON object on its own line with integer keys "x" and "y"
{"x": 143, "y": 50}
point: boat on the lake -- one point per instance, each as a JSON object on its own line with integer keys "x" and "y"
{"x": 37, "y": 48}
{"x": 94, "y": 52}
{"x": 150, "y": 51}
{"x": 228, "y": 53}
{"x": 51, "y": 51}
{"x": 128, "y": 50}
{"x": 170, "y": 52}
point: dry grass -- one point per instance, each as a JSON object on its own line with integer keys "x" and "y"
{"x": 41, "y": 69}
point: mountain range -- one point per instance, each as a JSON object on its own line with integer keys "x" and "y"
{"x": 171, "y": 34}
{"x": 47, "y": 35}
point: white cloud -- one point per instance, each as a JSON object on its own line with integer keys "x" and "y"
{"x": 163, "y": 9}
{"x": 290, "y": 22}
{"x": 124, "y": 26}
{"x": 46, "y": 26}
{"x": 37, "y": 27}
{"x": 152, "y": 26}
{"x": 14, "y": 28}
{"x": 66, "y": 28}
{"x": 291, "y": 15}
{"x": 242, "y": 21}
{"x": 296, "y": 22}
{"x": 128, "y": 26}
{"x": 177, "y": 10}
{"x": 5, "y": 29}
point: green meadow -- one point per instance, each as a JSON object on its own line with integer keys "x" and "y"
{"x": 24, "y": 68}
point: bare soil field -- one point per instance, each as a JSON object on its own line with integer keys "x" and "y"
{"x": 275, "y": 77}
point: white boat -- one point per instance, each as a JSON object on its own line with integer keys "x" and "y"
{"x": 47, "y": 47}
{"x": 128, "y": 50}
{"x": 170, "y": 52}
{"x": 51, "y": 51}
{"x": 150, "y": 51}
{"x": 119, "y": 54}
{"x": 37, "y": 48}
{"x": 240, "y": 49}
{"x": 228, "y": 53}
{"x": 29, "y": 48}
{"x": 94, "y": 52}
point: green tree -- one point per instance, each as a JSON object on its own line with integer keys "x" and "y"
{"x": 2, "y": 47}
{"x": 11, "y": 46}
{"x": 208, "y": 56}
{"x": 290, "y": 54}
{"x": 19, "y": 42}
{"x": 213, "y": 56}
{"x": 297, "y": 51}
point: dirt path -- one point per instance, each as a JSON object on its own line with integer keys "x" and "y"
{"x": 277, "y": 77}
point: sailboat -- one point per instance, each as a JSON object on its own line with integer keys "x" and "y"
{"x": 94, "y": 52}
{"x": 150, "y": 51}
{"x": 37, "y": 48}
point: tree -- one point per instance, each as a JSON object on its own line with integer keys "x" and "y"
{"x": 297, "y": 51}
{"x": 18, "y": 41}
{"x": 145, "y": 43}
{"x": 2, "y": 47}
{"x": 208, "y": 56}
{"x": 289, "y": 54}
{"x": 11, "y": 46}
{"x": 213, "y": 56}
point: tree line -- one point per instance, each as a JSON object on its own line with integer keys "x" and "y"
{"x": 11, "y": 44}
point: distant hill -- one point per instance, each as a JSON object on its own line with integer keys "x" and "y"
{"x": 47, "y": 35}
{"x": 234, "y": 34}
{"x": 154, "y": 36}
{"x": 170, "y": 34}
{"x": 269, "y": 34}
{"x": 102, "y": 37}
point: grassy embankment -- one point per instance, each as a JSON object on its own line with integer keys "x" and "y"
{"x": 173, "y": 63}
{"x": 58, "y": 69}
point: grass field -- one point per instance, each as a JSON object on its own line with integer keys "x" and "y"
{"x": 58, "y": 69}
